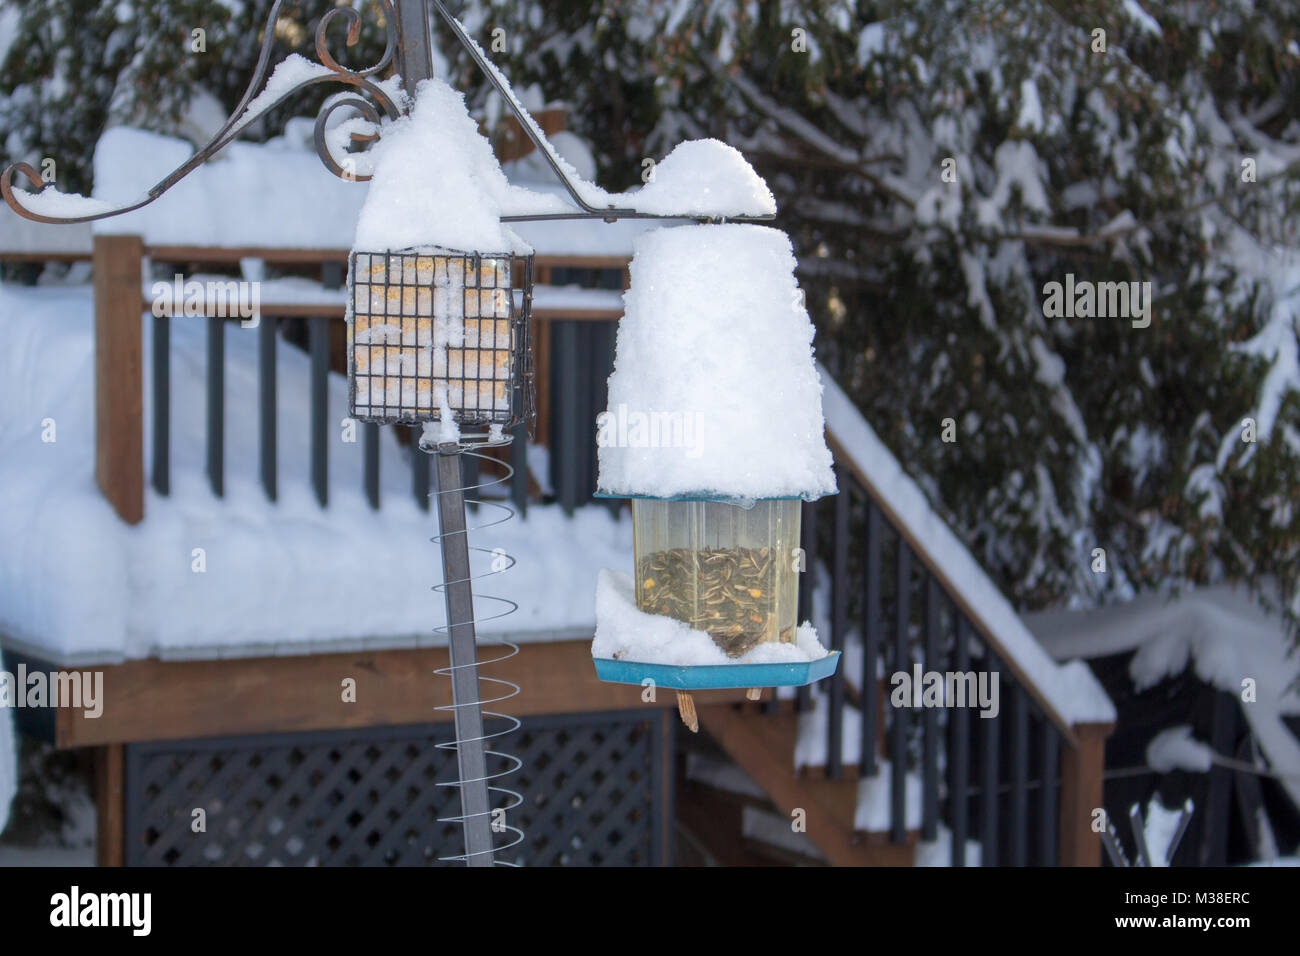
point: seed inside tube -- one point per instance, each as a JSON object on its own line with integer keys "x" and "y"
{"x": 722, "y": 591}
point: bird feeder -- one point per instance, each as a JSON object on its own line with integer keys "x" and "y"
{"x": 437, "y": 335}
{"x": 714, "y": 339}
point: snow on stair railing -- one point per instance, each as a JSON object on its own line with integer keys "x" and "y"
{"x": 1069, "y": 693}
{"x": 1018, "y": 779}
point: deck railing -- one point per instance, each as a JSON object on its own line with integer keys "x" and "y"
{"x": 1023, "y": 784}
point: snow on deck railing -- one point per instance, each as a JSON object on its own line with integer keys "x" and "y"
{"x": 1069, "y": 693}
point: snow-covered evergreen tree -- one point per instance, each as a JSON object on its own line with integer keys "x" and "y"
{"x": 939, "y": 163}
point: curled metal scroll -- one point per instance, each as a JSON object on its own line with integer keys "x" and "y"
{"x": 366, "y": 97}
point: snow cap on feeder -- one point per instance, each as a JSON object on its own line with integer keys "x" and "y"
{"x": 715, "y": 392}
{"x": 437, "y": 330}
{"x": 714, "y": 428}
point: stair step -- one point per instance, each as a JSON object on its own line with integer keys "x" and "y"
{"x": 762, "y": 744}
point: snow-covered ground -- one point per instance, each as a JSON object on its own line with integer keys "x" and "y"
{"x": 76, "y": 584}
{"x": 8, "y": 761}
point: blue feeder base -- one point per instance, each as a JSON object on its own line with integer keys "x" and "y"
{"x": 717, "y": 676}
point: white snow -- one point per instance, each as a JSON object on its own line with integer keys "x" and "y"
{"x": 8, "y": 760}
{"x": 50, "y": 202}
{"x": 22, "y": 235}
{"x": 78, "y": 585}
{"x": 1221, "y": 632}
{"x": 1070, "y": 689}
{"x": 288, "y": 73}
{"x": 1144, "y": 20}
{"x": 10, "y": 18}
{"x": 938, "y": 852}
{"x": 230, "y": 201}
{"x": 624, "y": 632}
{"x": 810, "y": 745}
{"x": 437, "y": 183}
{"x": 1159, "y": 827}
{"x": 705, "y": 177}
{"x": 1175, "y": 749}
{"x": 873, "y": 813}
{"x": 714, "y": 328}
{"x": 1031, "y": 108}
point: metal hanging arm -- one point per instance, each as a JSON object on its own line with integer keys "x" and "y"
{"x": 408, "y": 39}
{"x": 585, "y": 209}
{"x": 527, "y": 122}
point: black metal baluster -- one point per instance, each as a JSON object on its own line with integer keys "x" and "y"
{"x": 839, "y": 624}
{"x": 318, "y": 344}
{"x": 1019, "y": 777}
{"x": 217, "y": 404}
{"x": 370, "y": 452}
{"x": 162, "y": 404}
{"x": 902, "y": 662}
{"x": 930, "y": 718}
{"x": 266, "y": 408}
{"x": 564, "y": 450}
{"x": 959, "y": 749}
{"x": 873, "y": 626}
{"x": 419, "y": 471}
{"x": 1050, "y": 760}
{"x": 989, "y": 783}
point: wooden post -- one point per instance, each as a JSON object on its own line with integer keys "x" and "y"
{"x": 119, "y": 376}
{"x": 110, "y": 805}
{"x": 1081, "y": 794}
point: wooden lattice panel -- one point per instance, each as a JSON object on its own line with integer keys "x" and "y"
{"x": 592, "y": 791}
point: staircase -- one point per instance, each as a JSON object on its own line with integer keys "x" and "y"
{"x": 873, "y": 784}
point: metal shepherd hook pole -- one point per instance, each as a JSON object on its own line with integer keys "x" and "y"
{"x": 470, "y": 754}
{"x": 414, "y": 39}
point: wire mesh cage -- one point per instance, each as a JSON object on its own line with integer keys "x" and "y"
{"x": 434, "y": 333}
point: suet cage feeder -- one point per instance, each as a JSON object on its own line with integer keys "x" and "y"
{"x": 434, "y": 333}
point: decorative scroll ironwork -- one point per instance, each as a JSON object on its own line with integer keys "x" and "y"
{"x": 359, "y": 80}
{"x": 369, "y": 100}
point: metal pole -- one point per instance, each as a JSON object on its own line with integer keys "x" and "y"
{"x": 413, "y": 31}
{"x": 470, "y": 754}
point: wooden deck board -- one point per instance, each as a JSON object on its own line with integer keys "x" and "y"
{"x": 170, "y": 700}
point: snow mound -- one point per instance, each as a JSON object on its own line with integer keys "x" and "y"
{"x": 705, "y": 177}
{"x": 50, "y": 202}
{"x": 78, "y": 584}
{"x": 436, "y": 182}
{"x": 1175, "y": 749}
{"x": 624, "y": 632}
{"x": 715, "y": 336}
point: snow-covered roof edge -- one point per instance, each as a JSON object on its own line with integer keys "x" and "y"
{"x": 1220, "y": 632}
{"x": 1070, "y": 689}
